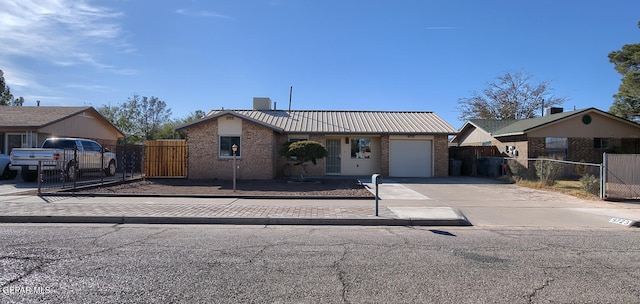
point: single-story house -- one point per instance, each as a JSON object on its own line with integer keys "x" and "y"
{"x": 407, "y": 144}
{"x": 579, "y": 135}
{"x": 28, "y": 127}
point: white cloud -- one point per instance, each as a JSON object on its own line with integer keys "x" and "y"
{"x": 63, "y": 32}
{"x": 201, "y": 13}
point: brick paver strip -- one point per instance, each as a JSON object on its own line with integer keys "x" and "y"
{"x": 186, "y": 210}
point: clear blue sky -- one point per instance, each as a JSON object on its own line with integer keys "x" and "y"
{"x": 414, "y": 55}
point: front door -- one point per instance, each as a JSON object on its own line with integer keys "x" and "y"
{"x": 333, "y": 159}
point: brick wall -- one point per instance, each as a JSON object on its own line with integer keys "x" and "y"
{"x": 202, "y": 158}
{"x": 441, "y": 156}
{"x": 581, "y": 149}
{"x": 256, "y": 161}
{"x": 258, "y": 155}
{"x": 536, "y": 147}
{"x": 384, "y": 157}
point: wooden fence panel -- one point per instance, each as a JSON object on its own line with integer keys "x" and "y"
{"x": 166, "y": 158}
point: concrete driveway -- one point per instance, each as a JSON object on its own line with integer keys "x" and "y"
{"x": 486, "y": 202}
{"x": 16, "y": 185}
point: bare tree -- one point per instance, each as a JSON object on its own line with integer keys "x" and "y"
{"x": 511, "y": 96}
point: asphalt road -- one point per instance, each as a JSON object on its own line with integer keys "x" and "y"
{"x": 316, "y": 264}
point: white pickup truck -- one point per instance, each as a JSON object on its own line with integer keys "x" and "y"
{"x": 67, "y": 155}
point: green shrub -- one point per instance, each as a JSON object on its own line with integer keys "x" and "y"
{"x": 517, "y": 170}
{"x": 548, "y": 171}
{"x": 590, "y": 183}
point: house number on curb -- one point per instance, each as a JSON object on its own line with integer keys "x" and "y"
{"x": 620, "y": 221}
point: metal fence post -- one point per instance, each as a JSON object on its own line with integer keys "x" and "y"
{"x": 603, "y": 176}
{"x": 102, "y": 171}
{"x": 39, "y": 177}
{"x": 75, "y": 168}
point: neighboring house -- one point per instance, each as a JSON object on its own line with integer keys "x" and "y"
{"x": 580, "y": 135}
{"x": 28, "y": 127}
{"x": 408, "y": 144}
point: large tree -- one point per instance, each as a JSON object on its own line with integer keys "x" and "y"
{"x": 167, "y": 130}
{"x": 511, "y": 96}
{"x": 153, "y": 114}
{"x": 140, "y": 118}
{"x": 626, "y": 102}
{"x": 6, "y": 98}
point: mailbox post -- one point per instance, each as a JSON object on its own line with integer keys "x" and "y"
{"x": 234, "y": 148}
{"x": 376, "y": 179}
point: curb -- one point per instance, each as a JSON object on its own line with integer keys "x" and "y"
{"x": 462, "y": 221}
{"x": 239, "y": 196}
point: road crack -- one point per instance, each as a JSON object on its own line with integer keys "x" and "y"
{"x": 341, "y": 274}
{"x": 39, "y": 264}
{"x": 545, "y": 283}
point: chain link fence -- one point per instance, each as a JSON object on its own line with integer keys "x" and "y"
{"x": 581, "y": 176}
{"x": 622, "y": 176}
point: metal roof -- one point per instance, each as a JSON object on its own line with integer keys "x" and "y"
{"x": 339, "y": 122}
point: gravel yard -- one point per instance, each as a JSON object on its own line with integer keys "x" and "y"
{"x": 327, "y": 187}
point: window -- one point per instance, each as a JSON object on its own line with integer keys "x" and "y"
{"x": 226, "y": 142}
{"x": 298, "y": 138}
{"x": 22, "y": 140}
{"x": 91, "y": 146}
{"x": 360, "y": 148}
{"x": 602, "y": 143}
{"x": 60, "y": 144}
{"x": 556, "y": 147}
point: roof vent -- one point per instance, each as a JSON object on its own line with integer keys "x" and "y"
{"x": 553, "y": 110}
{"x": 262, "y": 103}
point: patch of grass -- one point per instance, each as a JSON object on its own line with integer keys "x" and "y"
{"x": 573, "y": 188}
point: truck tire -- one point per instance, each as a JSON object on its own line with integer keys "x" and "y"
{"x": 8, "y": 173}
{"x": 72, "y": 172}
{"x": 111, "y": 169}
{"x": 29, "y": 175}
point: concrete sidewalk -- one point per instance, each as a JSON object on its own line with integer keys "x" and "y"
{"x": 198, "y": 210}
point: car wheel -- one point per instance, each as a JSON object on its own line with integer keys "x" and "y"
{"x": 111, "y": 169}
{"x": 29, "y": 175}
{"x": 71, "y": 172}
{"x": 8, "y": 173}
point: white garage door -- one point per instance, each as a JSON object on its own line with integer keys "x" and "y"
{"x": 410, "y": 158}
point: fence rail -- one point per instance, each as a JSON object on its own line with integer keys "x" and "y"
{"x": 83, "y": 169}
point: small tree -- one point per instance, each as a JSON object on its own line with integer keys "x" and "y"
{"x": 302, "y": 152}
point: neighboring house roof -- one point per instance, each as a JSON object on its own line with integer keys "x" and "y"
{"x": 490, "y": 125}
{"x": 500, "y": 128}
{"x": 527, "y": 125}
{"x": 339, "y": 122}
{"x": 29, "y": 117}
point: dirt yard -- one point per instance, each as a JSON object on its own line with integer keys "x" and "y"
{"x": 277, "y": 187}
